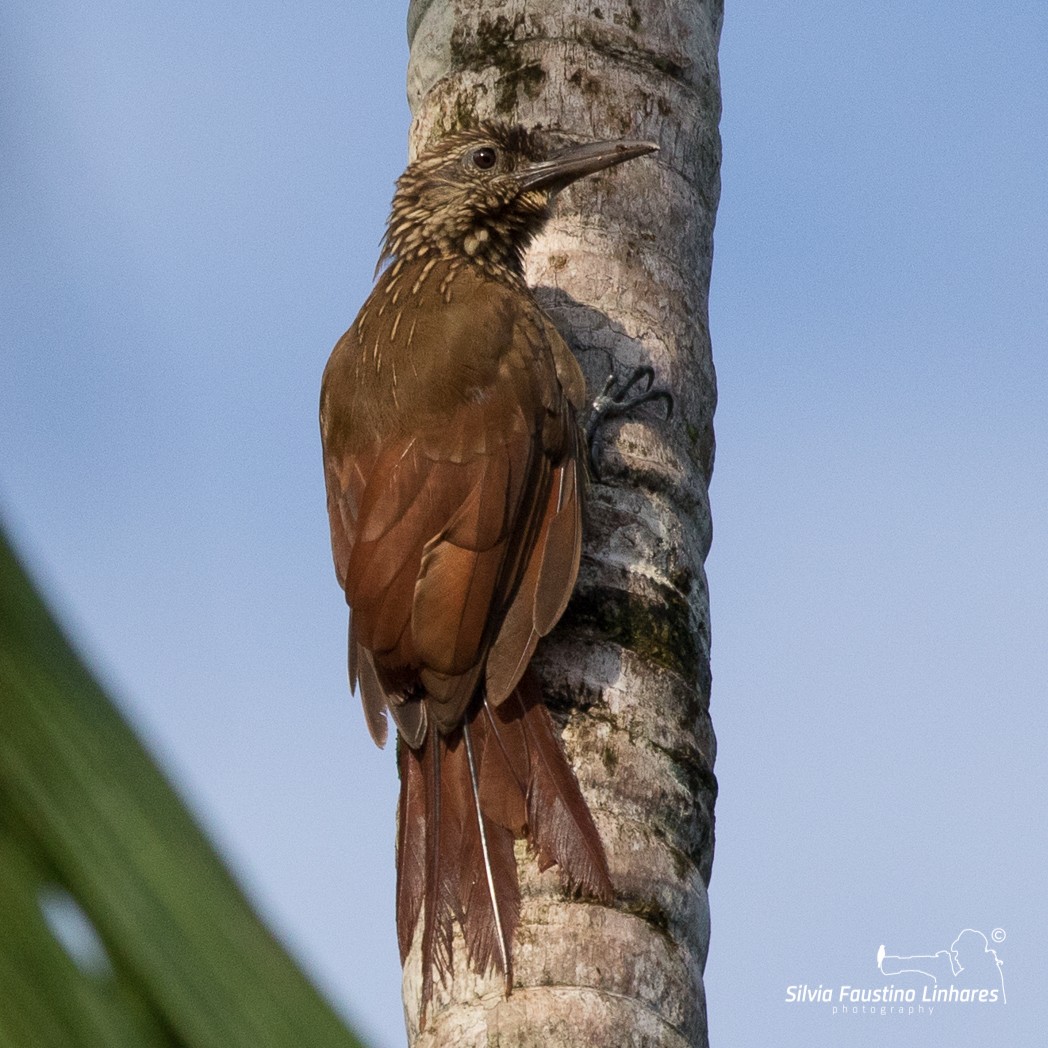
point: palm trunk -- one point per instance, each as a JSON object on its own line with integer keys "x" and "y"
{"x": 624, "y": 270}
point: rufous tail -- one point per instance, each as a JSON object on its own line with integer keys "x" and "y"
{"x": 464, "y": 798}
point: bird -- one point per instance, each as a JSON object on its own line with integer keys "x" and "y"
{"x": 456, "y": 470}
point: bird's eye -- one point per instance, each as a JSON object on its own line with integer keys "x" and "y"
{"x": 484, "y": 158}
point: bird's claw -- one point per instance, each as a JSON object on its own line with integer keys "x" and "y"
{"x": 615, "y": 400}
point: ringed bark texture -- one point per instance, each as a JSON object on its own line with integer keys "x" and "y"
{"x": 623, "y": 269}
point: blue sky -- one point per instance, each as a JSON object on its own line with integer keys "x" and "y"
{"x": 192, "y": 202}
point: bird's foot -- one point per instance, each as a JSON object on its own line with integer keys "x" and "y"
{"x": 622, "y": 398}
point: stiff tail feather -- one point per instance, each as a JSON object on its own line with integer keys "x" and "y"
{"x": 464, "y": 798}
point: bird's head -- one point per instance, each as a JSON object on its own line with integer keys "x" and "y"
{"x": 485, "y": 193}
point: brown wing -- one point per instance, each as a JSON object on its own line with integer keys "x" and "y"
{"x": 545, "y": 585}
{"x": 453, "y": 497}
{"x": 549, "y": 577}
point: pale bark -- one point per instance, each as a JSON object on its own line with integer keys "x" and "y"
{"x": 624, "y": 270}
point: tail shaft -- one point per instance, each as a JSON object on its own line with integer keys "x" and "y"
{"x": 500, "y": 933}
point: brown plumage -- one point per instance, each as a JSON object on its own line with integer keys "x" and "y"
{"x": 455, "y": 473}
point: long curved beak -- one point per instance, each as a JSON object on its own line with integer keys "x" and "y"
{"x": 577, "y": 161}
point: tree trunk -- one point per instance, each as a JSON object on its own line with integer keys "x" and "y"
{"x": 624, "y": 270}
